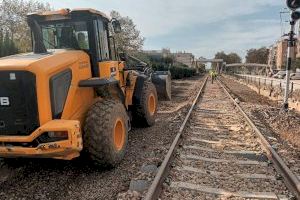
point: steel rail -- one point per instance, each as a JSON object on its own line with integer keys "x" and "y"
{"x": 156, "y": 186}
{"x": 290, "y": 179}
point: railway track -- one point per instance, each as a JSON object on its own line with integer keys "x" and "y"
{"x": 220, "y": 154}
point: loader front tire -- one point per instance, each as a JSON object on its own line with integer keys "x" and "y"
{"x": 144, "y": 113}
{"x": 106, "y": 133}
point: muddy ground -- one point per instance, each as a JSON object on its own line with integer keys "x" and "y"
{"x": 281, "y": 129}
{"x": 55, "y": 179}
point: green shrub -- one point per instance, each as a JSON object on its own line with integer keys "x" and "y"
{"x": 159, "y": 67}
{"x": 178, "y": 71}
{"x": 182, "y": 72}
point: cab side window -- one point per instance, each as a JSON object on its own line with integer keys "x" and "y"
{"x": 102, "y": 36}
{"x": 112, "y": 44}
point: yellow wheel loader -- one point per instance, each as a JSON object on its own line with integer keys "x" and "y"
{"x": 74, "y": 93}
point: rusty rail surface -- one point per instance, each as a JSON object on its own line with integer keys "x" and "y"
{"x": 155, "y": 188}
{"x": 291, "y": 180}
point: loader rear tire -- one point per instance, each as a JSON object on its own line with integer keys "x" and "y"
{"x": 106, "y": 133}
{"x": 144, "y": 113}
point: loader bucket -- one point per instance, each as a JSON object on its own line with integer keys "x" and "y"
{"x": 162, "y": 82}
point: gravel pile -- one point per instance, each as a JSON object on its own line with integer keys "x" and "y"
{"x": 288, "y": 124}
{"x": 245, "y": 94}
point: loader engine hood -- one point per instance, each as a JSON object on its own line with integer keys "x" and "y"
{"x": 24, "y": 79}
{"x": 27, "y": 61}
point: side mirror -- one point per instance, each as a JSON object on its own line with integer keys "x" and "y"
{"x": 123, "y": 56}
{"x": 293, "y": 4}
{"x": 116, "y": 25}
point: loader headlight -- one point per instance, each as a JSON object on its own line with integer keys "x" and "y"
{"x": 53, "y": 136}
{"x": 63, "y": 135}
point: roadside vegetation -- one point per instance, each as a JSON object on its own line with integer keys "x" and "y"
{"x": 15, "y": 36}
{"x": 259, "y": 56}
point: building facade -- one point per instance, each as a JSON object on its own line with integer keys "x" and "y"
{"x": 281, "y": 57}
{"x": 272, "y": 57}
{"x": 185, "y": 58}
{"x": 159, "y": 53}
{"x": 278, "y": 54}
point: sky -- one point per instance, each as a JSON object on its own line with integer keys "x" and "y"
{"x": 202, "y": 27}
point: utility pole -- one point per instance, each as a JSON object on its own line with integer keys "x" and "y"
{"x": 291, "y": 47}
{"x": 295, "y": 16}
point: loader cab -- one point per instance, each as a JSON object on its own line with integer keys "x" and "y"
{"x": 82, "y": 29}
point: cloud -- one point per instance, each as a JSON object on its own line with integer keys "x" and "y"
{"x": 157, "y": 17}
{"x": 229, "y": 36}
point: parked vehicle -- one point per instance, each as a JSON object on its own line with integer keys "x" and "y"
{"x": 280, "y": 75}
{"x": 295, "y": 76}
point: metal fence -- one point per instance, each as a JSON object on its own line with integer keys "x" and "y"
{"x": 269, "y": 83}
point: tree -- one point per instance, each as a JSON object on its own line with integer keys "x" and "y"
{"x": 221, "y": 55}
{"x": 296, "y": 64}
{"x": 201, "y": 68}
{"x": 233, "y": 58}
{"x": 13, "y": 20}
{"x": 230, "y": 58}
{"x": 7, "y": 45}
{"x": 130, "y": 38}
{"x": 257, "y": 55}
{"x": 1, "y": 43}
{"x": 141, "y": 56}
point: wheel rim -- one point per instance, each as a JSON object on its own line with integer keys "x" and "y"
{"x": 119, "y": 134}
{"x": 151, "y": 104}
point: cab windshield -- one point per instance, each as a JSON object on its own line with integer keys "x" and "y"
{"x": 65, "y": 35}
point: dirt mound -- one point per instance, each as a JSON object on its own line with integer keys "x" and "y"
{"x": 245, "y": 94}
{"x": 285, "y": 125}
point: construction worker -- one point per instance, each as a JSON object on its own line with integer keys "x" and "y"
{"x": 213, "y": 76}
